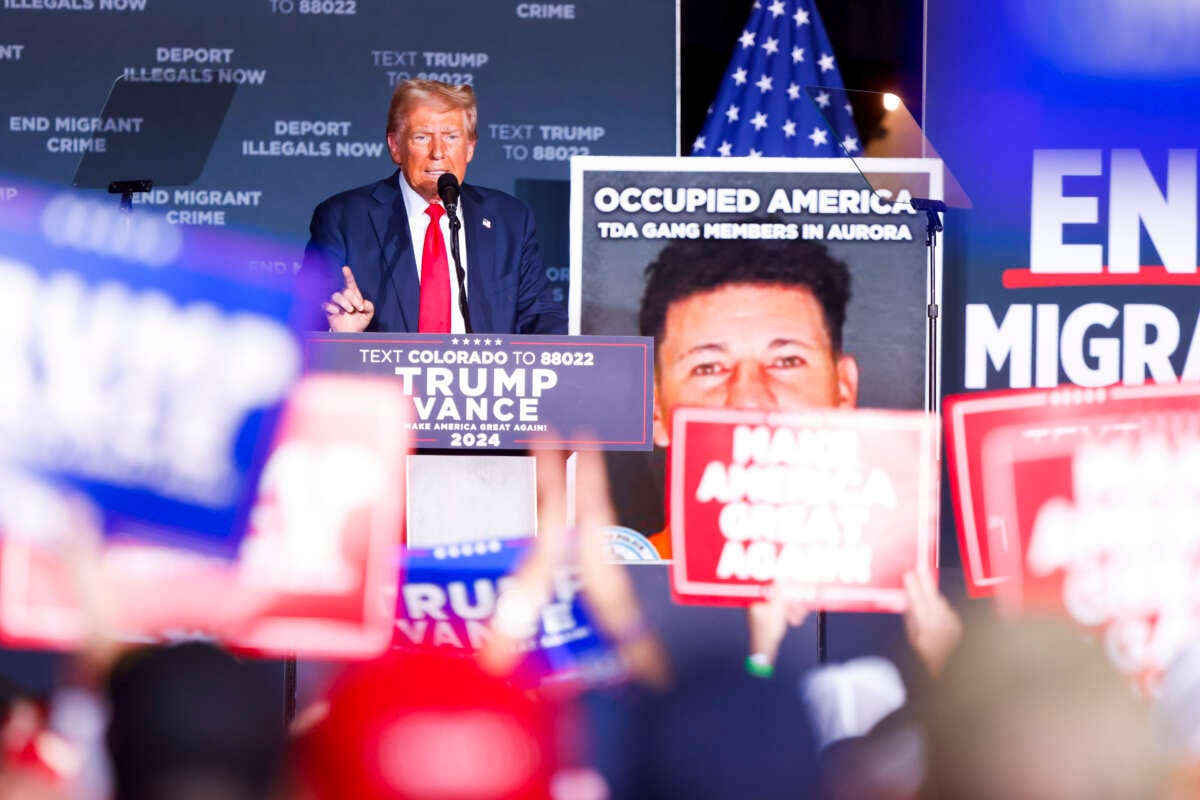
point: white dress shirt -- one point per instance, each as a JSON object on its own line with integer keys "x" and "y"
{"x": 418, "y": 223}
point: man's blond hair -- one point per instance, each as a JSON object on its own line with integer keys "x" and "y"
{"x": 441, "y": 96}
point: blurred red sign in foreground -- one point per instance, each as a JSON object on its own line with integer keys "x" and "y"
{"x": 316, "y": 574}
{"x": 829, "y": 507}
{"x": 1085, "y": 502}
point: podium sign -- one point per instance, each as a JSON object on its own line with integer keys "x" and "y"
{"x": 831, "y": 508}
{"x": 495, "y": 392}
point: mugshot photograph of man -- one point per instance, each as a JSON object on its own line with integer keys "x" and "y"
{"x": 385, "y": 247}
{"x": 621, "y": 222}
{"x": 746, "y": 324}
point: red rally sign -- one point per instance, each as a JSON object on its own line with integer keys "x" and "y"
{"x": 831, "y": 508}
{"x": 1085, "y": 502}
{"x": 316, "y": 575}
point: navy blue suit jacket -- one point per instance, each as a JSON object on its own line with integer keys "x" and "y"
{"x": 367, "y": 229}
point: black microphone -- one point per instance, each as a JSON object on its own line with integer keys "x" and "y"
{"x": 448, "y": 190}
{"x": 919, "y": 203}
{"x": 934, "y": 222}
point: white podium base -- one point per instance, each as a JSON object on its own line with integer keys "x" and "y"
{"x": 464, "y": 498}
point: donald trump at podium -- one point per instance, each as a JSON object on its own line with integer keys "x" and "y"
{"x": 387, "y": 246}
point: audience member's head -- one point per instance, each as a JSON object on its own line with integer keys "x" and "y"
{"x": 426, "y": 725}
{"x": 191, "y": 722}
{"x": 719, "y": 733}
{"x": 1034, "y": 710}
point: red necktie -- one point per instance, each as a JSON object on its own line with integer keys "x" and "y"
{"x": 435, "y": 277}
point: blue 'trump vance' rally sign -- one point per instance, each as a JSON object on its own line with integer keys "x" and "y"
{"x": 140, "y": 370}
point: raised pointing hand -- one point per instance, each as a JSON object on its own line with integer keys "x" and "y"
{"x": 347, "y": 310}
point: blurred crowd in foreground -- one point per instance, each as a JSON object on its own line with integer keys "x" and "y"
{"x": 979, "y": 707}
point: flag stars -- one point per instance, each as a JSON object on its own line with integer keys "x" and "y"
{"x": 746, "y": 115}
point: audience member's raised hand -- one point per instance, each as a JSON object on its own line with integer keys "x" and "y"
{"x": 605, "y": 586}
{"x": 931, "y": 625}
{"x": 768, "y": 622}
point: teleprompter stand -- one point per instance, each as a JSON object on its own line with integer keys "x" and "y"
{"x": 152, "y": 134}
{"x": 159, "y": 134}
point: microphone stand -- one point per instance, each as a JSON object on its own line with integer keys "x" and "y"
{"x": 459, "y": 272}
{"x": 933, "y": 226}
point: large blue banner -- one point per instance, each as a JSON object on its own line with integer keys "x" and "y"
{"x": 1073, "y": 127}
{"x": 313, "y": 81}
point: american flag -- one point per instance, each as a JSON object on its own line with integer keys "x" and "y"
{"x": 782, "y": 94}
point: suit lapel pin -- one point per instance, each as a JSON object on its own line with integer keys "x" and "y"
{"x": 487, "y": 223}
